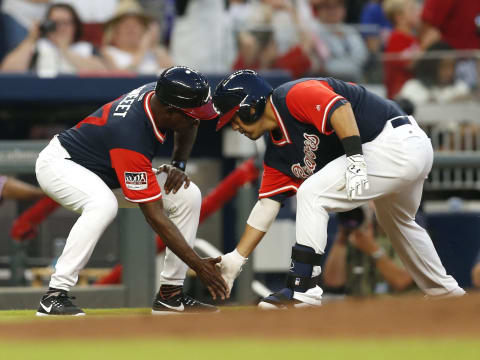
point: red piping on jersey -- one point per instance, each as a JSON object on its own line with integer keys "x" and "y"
{"x": 325, "y": 113}
{"x": 95, "y": 120}
{"x": 159, "y": 196}
{"x": 278, "y": 191}
{"x": 146, "y": 106}
{"x": 286, "y": 139}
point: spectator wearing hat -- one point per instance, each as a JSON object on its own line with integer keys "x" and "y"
{"x": 54, "y": 47}
{"x": 132, "y": 41}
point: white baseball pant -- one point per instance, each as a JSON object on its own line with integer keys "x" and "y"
{"x": 398, "y": 162}
{"x": 80, "y": 190}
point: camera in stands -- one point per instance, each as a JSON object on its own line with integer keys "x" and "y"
{"x": 47, "y": 26}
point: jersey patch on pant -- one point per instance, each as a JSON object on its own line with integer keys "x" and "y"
{"x": 136, "y": 180}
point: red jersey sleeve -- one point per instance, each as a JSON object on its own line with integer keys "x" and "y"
{"x": 135, "y": 175}
{"x": 436, "y": 11}
{"x": 313, "y": 102}
{"x": 275, "y": 182}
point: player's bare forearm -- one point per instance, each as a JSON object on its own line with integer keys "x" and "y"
{"x": 250, "y": 239}
{"x": 183, "y": 143}
{"x": 345, "y": 125}
{"x": 343, "y": 122}
{"x": 206, "y": 269}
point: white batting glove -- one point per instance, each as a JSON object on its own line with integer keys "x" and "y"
{"x": 231, "y": 266}
{"x": 356, "y": 179}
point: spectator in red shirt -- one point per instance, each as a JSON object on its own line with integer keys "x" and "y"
{"x": 456, "y": 22}
{"x": 402, "y": 43}
{"x": 453, "y": 21}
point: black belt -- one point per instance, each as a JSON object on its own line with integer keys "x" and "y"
{"x": 400, "y": 121}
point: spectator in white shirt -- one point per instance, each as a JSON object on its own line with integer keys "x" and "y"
{"x": 132, "y": 42}
{"x": 54, "y": 47}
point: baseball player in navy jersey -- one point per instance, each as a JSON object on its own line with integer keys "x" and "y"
{"x": 105, "y": 161}
{"x": 336, "y": 146}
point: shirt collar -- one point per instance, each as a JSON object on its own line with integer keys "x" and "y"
{"x": 148, "y": 111}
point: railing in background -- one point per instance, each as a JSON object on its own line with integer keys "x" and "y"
{"x": 455, "y": 133}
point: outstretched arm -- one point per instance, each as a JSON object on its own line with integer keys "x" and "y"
{"x": 205, "y": 268}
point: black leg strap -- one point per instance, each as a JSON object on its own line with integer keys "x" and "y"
{"x": 306, "y": 257}
{"x": 302, "y": 283}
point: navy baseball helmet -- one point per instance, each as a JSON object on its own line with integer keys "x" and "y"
{"x": 241, "y": 92}
{"x": 187, "y": 90}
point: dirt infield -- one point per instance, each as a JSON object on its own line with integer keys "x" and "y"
{"x": 411, "y": 316}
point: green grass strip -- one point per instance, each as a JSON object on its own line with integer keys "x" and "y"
{"x": 245, "y": 349}
{"x": 14, "y": 315}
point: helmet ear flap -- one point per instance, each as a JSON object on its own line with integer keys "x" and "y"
{"x": 244, "y": 112}
{"x": 246, "y": 106}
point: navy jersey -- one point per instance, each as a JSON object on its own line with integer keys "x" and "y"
{"x": 305, "y": 142}
{"x": 118, "y": 142}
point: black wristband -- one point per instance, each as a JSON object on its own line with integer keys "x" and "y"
{"x": 352, "y": 145}
{"x": 182, "y": 165}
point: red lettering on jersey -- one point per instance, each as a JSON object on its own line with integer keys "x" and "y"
{"x": 94, "y": 120}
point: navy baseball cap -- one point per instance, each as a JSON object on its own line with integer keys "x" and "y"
{"x": 186, "y": 90}
{"x": 240, "y": 92}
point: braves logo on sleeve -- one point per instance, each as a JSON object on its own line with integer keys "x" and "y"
{"x": 136, "y": 180}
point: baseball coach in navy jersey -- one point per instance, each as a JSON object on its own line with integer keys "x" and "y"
{"x": 105, "y": 161}
{"x": 336, "y": 146}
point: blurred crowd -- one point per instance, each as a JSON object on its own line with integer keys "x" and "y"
{"x": 422, "y": 51}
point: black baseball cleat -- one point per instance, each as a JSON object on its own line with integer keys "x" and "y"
{"x": 180, "y": 303}
{"x": 58, "y": 302}
{"x": 282, "y": 299}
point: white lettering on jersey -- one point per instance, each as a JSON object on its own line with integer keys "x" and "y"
{"x": 310, "y": 146}
{"x": 126, "y": 102}
{"x": 136, "y": 180}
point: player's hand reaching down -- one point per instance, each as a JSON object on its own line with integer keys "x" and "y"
{"x": 230, "y": 267}
{"x": 209, "y": 273}
{"x": 356, "y": 179}
{"x": 175, "y": 178}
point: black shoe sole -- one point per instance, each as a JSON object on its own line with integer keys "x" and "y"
{"x": 43, "y": 314}
{"x": 173, "y": 312}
